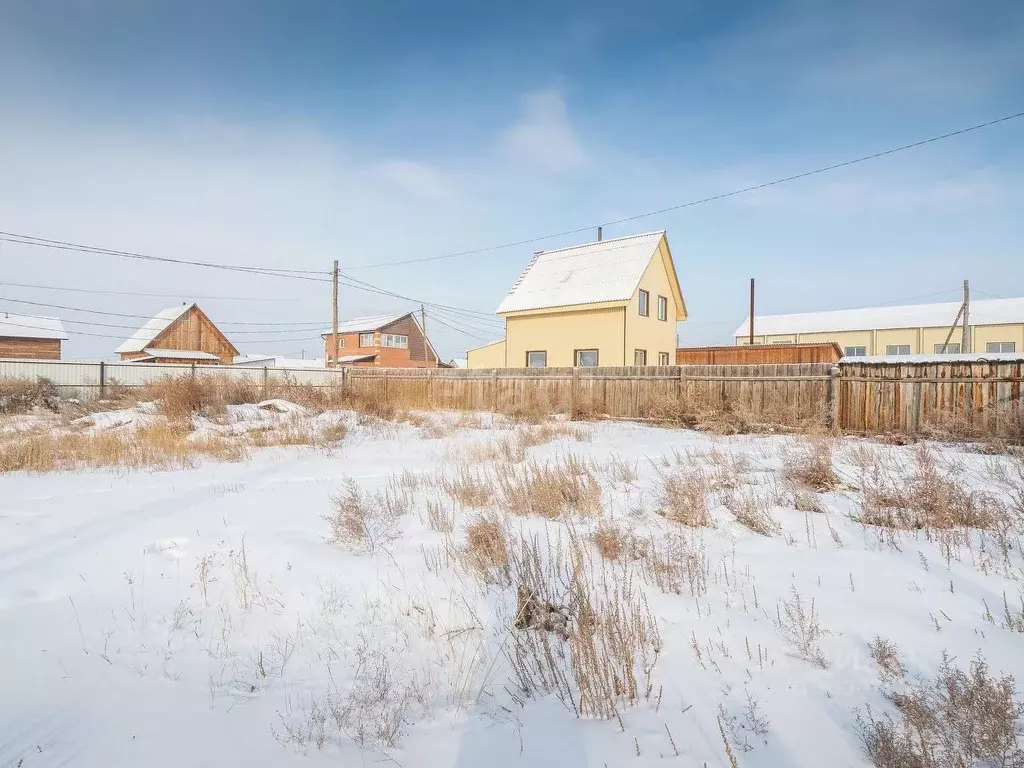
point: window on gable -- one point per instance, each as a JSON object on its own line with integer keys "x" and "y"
{"x": 645, "y": 303}
{"x": 537, "y": 359}
{"x": 662, "y": 308}
{"x": 365, "y": 339}
{"x": 394, "y": 340}
{"x": 1001, "y": 346}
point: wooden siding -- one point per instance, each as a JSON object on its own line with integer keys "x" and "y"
{"x": 968, "y": 399}
{"x": 30, "y": 349}
{"x": 193, "y": 331}
{"x": 759, "y": 354}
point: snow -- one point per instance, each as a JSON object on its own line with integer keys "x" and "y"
{"x": 281, "y": 406}
{"x": 139, "y": 340}
{"x": 365, "y": 324}
{"x": 175, "y": 354}
{"x": 972, "y": 357}
{"x": 276, "y": 361}
{"x": 942, "y": 314}
{"x": 608, "y": 270}
{"x": 31, "y": 327}
{"x": 191, "y": 617}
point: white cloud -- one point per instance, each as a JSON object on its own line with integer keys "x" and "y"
{"x": 417, "y": 179}
{"x": 543, "y": 135}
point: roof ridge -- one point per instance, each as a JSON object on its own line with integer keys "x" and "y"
{"x": 602, "y": 241}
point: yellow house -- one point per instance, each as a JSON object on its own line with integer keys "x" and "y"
{"x": 612, "y": 302}
{"x": 995, "y": 326}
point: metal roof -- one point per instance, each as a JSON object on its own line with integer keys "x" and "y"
{"x": 159, "y": 323}
{"x": 355, "y": 358}
{"x": 177, "y": 354}
{"x": 608, "y": 270}
{"x": 31, "y": 327}
{"x": 982, "y": 312}
{"x": 365, "y": 324}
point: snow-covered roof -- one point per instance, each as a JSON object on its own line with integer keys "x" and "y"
{"x": 153, "y": 328}
{"x": 458, "y": 362}
{"x": 982, "y": 312}
{"x": 355, "y": 358}
{"x": 608, "y": 270}
{"x": 31, "y": 327}
{"x": 176, "y": 354}
{"x": 365, "y": 324}
{"x": 970, "y": 357}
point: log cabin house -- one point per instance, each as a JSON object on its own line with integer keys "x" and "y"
{"x": 387, "y": 341}
{"x": 29, "y": 337}
{"x": 179, "y": 335}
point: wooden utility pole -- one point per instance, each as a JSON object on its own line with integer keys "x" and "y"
{"x": 751, "y": 311}
{"x": 965, "y": 339}
{"x": 334, "y": 315}
{"x": 423, "y": 319}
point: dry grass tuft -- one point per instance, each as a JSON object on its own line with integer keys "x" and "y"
{"x": 753, "y": 511}
{"x": 609, "y": 541}
{"x": 552, "y": 489}
{"x": 22, "y": 395}
{"x": 799, "y": 626}
{"x": 469, "y": 488}
{"x": 887, "y": 656}
{"x": 810, "y": 468}
{"x": 487, "y": 550}
{"x": 366, "y": 523}
{"x": 959, "y": 718}
{"x": 682, "y": 497}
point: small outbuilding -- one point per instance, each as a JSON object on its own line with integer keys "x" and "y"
{"x": 30, "y": 337}
{"x": 179, "y": 335}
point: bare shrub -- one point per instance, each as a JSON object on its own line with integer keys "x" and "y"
{"x": 682, "y": 497}
{"x": 621, "y": 471}
{"x": 531, "y": 412}
{"x": 958, "y": 718}
{"x": 22, "y": 395}
{"x": 183, "y": 396}
{"x": 608, "y": 539}
{"x": 810, "y": 468}
{"x": 799, "y": 626}
{"x": 364, "y": 522}
{"x": 673, "y": 562}
{"x": 753, "y": 511}
{"x": 469, "y": 488}
{"x": 551, "y": 489}
{"x": 440, "y": 517}
{"x": 926, "y": 498}
{"x": 887, "y": 656}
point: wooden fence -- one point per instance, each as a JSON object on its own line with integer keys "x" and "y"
{"x": 759, "y": 354}
{"x": 970, "y": 397}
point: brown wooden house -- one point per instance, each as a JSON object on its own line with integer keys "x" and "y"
{"x": 179, "y": 335}
{"x": 387, "y": 341}
{"x": 28, "y": 337}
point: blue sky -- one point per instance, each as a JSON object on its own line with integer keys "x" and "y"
{"x": 291, "y": 134}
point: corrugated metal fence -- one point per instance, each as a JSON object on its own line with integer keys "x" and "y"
{"x": 973, "y": 397}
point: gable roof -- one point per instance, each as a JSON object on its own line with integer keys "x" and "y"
{"x": 983, "y": 312}
{"x": 159, "y": 323}
{"x": 174, "y": 354}
{"x": 607, "y": 270}
{"x": 365, "y": 324}
{"x": 31, "y": 327}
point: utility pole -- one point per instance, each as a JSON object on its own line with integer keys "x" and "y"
{"x": 965, "y": 340}
{"x": 423, "y": 319}
{"x": 334, "y": 314}
{"x": 751, "y": 311}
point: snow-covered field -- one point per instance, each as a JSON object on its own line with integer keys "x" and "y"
{"x": 204, "y": 616}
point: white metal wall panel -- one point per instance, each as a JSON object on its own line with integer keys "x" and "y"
{"x": 60, "y": 372}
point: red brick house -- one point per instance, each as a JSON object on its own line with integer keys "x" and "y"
{"x": 387, "y": 341}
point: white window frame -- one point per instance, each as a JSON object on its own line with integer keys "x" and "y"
{"x": 644, "y": 303}
{"x": 852, "y": 351}
{"x": 395, "y": 340}
{"x": 898, "y": 347}
{"x": 664, "y": 358}
{"x": 529, "y": 355}
{"x": 636, "y": 353}
{"x": 577, "y": 356}
{"x": 953, "y": 348}
{"x": 362, "y": 337}
{"x": 663, "y": 309}
{"x": 1010, "y": 346}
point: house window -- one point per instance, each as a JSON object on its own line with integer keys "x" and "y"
{"x": 947, "y": 349}
{"x": 662, "y": 308}
{"x": 1001, "y": 346}
{"x": 663, "y": 358}
{"x": 394, "y": 340}
{"x": 586, "y": 358}
{"x": 365, "y": 339}
{"x": 897, "y": 349}
{"x": 855, "y": 351}
{"x": 537, "y": 359}
{"x": 645, "y": 303}
{"x": 639, "y": 357}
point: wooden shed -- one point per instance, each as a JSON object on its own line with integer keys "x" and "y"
{"x": 179, "y": 335}
{"x": 759, "y": 354}
{"x": 30, "y": 337}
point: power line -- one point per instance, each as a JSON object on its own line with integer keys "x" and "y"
{"x": 701, "y": 201}
{"x": 183, "y": 294}
{"x": 460, "y": 330}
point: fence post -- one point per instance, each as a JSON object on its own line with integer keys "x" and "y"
{"x": 385, "y": 372}
{"x": 430, "y": 378}
{"x": 574, "y": 387}
{"x": 103, "y": 379}
{"x": 833, "y": 409}
{"x": 193, "y": 370}
{"x": 264, "y": 389}
{"x": 494, "y": 390}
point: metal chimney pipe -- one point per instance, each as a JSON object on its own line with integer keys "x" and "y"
{"x": 599, "y": 233}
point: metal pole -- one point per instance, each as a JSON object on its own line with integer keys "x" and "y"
{"x": 600, "y": 234}
{"x": 965, "y": 340}
{"x": 334, "y": 314}
{"x": 751, "y": 311}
